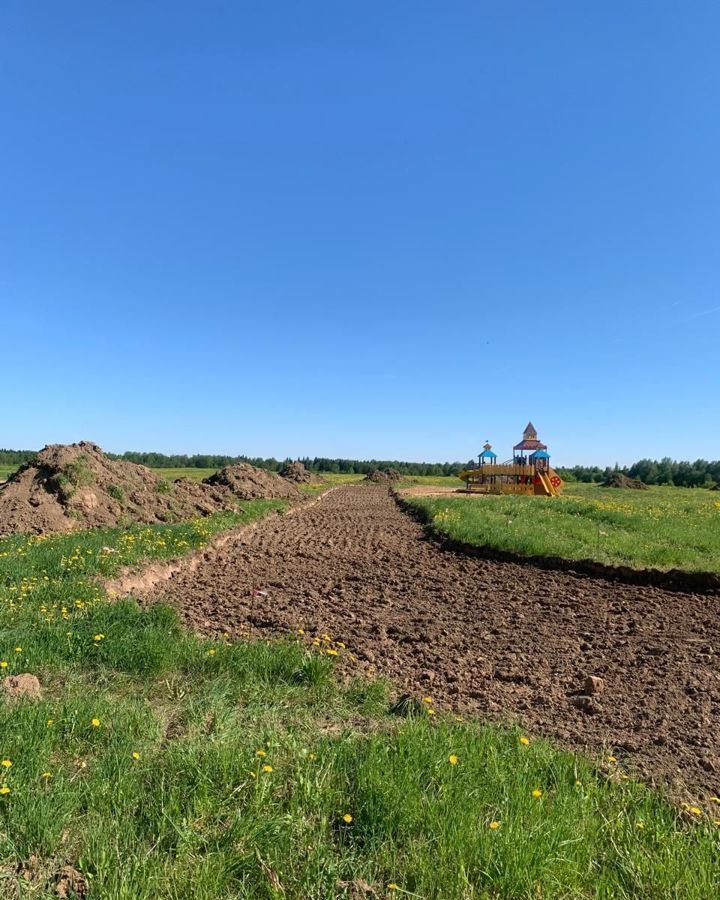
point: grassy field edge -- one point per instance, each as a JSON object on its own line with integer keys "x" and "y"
{"x": 434, "y": 515}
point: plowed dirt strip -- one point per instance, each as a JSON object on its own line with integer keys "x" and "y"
{"x": 479, "y": 636}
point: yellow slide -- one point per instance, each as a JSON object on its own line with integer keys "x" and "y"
{"x": 548, "y": 485}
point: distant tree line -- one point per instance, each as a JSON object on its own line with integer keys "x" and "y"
{"x": 16, "y": 457}
{"x": 313, "y": 464}
{"x": 701, "y": 473}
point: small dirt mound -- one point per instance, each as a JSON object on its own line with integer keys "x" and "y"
{"x": 618, "y": 480}
{"x": 25, "y": 685}
{"x": 248, "y": 483}
{"x": 71, "y": 486}
{"x": 382, "y": 475}
{"x": 298, "y": 474}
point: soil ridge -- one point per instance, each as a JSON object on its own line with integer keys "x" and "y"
{"x": 678, "y": 580}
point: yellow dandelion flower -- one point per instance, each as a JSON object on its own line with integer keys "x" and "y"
{"x": 4, "y": 789}
{"x": 267, "y": 768}
{"x": 340, "y": 645}
{"x": 331, "y": 652}
{"x": 695, "y": 810}
{"x": 95, "y": 723}
{"x": 347, "y": 818}
{"x": 6, "y": 763}
{"x": 3, "y": 664}
{"x": 453, "y": 759}
{"x": 640, "y": 825}
{"x": 212, "y": 652}
{"x": 524, "y": 741}
{"x": 135, "y": 755}
{"x": 427, "y": 700}
{"x": 494, "y": 825}
{"x": 392, "y": 886}
{"x": 46, "y": 775}
{"x": 260, "y": 753}
{"x": 301, "y": 631}
{"x": 537, "y": 793}
{"x": 430, "y": 712}
{"x": 612, "y": 759}
{"x": 50, "y": 722}
{"x": 99, "y": 637}
{"x": 578, "y": 783}
{"x": 18, "y": 650}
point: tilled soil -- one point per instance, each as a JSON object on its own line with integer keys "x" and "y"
{"x": 499, "y": 639}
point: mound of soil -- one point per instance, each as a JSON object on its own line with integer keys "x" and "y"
{"x": 71, "y": 486}
{"x": 248, "y": 483}
{"x": 618, "y": 480}
{"x": 298, "y": 474}
{"x": 383, "y": 475}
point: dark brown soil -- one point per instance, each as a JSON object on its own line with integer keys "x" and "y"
{"x": 618, "y": 480}
{"x": 298, "y": 474}
{"x": 381, "y": 476}
{"x": 249, "y": 483}
{"x": 71, "y": 486}
{"x": 494, "y": 638}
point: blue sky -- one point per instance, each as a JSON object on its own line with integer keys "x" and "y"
{"x": 362, "y": 229}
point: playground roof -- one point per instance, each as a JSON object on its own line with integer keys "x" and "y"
{"x": 488, "y": 454}
{"x": 530, "y": 445}
{"x": 541, "y": 454}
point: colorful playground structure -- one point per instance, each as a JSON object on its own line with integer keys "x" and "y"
{"x": 528, "y": 472}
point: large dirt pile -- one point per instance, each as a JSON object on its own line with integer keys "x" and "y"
{"x": 71, "y": 486}
{"x": 618, "y": 480}
{"x": 248, "y": 483}
{"x": 382, "y": 475}
{"x": 298, "y": 474}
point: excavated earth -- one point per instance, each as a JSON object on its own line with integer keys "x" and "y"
{"x": 71, "y": 486}
{"x": 499, "y": 639}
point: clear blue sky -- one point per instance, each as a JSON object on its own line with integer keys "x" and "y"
{"x": 366, "y": 229}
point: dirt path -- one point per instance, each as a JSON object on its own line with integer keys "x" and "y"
{"x": 493, "y": 638}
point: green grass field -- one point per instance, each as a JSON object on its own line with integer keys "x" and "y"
{"x": 445, "y": 481}
{"x": 193, "y": 473}
{"x": 161, "y": 765}
{"x": 663, "y": 527}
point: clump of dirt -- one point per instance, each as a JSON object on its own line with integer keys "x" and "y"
{"x": 71, "y": 486}
{"x": 17, "y": 686}
{"x": 41, "y": 874}
{"x": 249, "y": 483}
{"x": 298, "y": 474}
{"x": 618, "y": 480}
{"x": 380, "y": 476}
